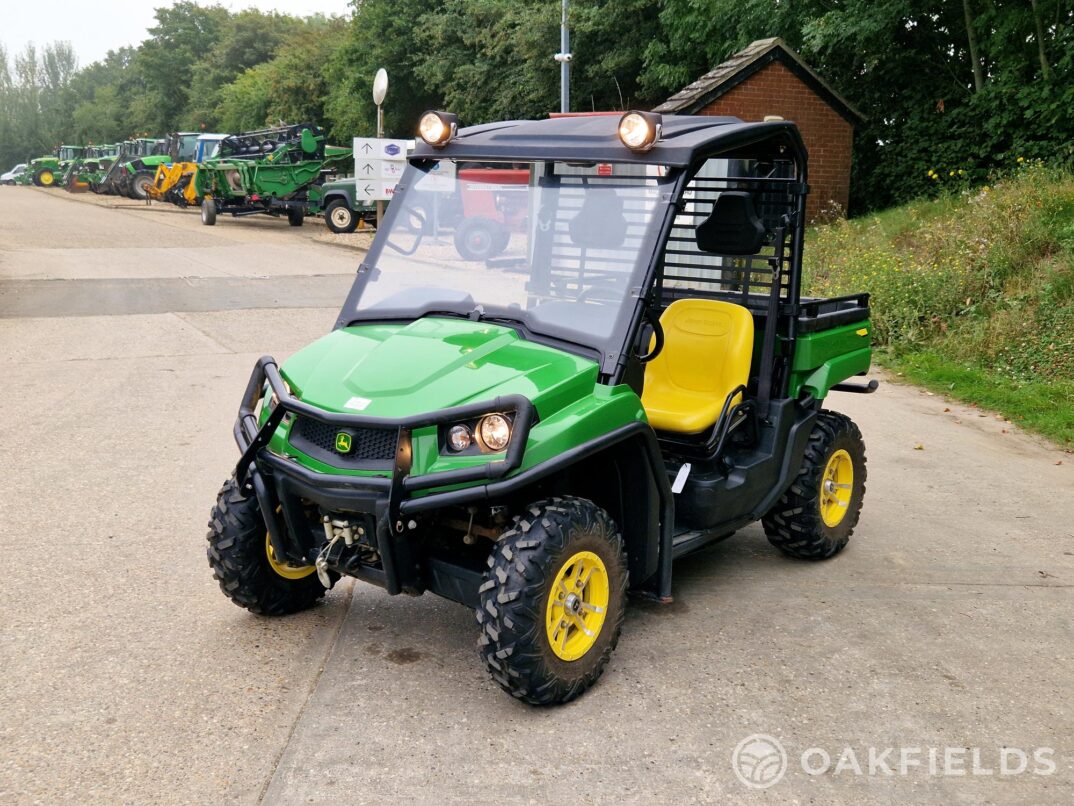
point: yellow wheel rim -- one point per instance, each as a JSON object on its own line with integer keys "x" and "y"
{"x": 286, "y": 570}
{"x": 46, "y": 178}
{"x": 836, "y": 487}
{"x": 577, "y": 605}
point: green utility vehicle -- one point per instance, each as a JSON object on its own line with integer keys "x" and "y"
{"x": 634, "y": 377}
{"x": 272, "y": 172}
{"x": 343, "y": 212}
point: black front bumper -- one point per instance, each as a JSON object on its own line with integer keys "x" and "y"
{"x": 281, "y": 484}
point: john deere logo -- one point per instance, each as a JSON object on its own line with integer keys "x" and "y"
{"x": 343, "y": 442}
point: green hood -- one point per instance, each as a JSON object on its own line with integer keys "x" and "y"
{"x": 431, "y": 364}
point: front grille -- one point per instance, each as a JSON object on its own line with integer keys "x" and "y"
{"x": 370, "y": 447}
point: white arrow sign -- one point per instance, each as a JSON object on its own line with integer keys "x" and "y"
{"x": 378, "y": 165}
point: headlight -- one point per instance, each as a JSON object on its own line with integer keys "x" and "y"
{"x": 495, "y": 431}
{"x": 436, "y": 128}
{"x": 460, "y": 438}
{"x": 639, "y": 131}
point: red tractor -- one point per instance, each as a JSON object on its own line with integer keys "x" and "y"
{"x": 494, "y": 204}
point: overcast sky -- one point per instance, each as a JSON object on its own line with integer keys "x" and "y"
{"x": 95, "y": 27}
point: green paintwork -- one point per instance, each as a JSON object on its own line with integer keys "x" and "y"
{"x": 285, "y": 173}
{"x": 824, "y": 359}
{"x": 435, "y": 363}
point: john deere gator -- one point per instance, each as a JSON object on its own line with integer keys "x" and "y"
{"x": 272, "y": 172}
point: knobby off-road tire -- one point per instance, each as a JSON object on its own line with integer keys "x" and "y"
{"x": 539, "y": 548}
{"x": 45, "y": 178}
{"x": 798, "y": 525}
{"x": 239, "y": 558}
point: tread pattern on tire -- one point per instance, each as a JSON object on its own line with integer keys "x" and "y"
{"x": 237, "y": 556}
{"x": 512, "y": 611}
{"x": 794, "y": 525}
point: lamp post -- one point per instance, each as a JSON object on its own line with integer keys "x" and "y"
{"x": 380, "y": 89}
{"x": 564, "y": 58}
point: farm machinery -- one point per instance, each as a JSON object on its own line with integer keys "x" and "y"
{"x": 277, "y": 172}
{"x": 47, "y": 171}
{"x": 134, "y": 166}
{"x": 174, "y": 180}
{"x": 82, "y": 173}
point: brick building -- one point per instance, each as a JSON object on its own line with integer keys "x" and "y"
{"x": 768, "y": 78}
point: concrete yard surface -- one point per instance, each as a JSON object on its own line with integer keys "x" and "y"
{"x": 920, "y": 662}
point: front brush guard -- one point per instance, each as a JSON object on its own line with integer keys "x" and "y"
{"x": 374, "y": 494}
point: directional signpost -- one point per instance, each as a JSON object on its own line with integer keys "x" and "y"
{"x": 378, "y": 164}
{"x": 380, "y": 90}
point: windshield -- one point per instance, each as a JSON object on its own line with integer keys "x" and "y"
{"x": 187, "y": 146}
{"x": 561, "y": 249}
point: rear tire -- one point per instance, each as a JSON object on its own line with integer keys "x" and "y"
{"x": 295, "y": 217}
{"x": 208, "y": 212}
{"x": 340, "y": 218}
{"x": 559, "y": 571}
{"x": 480, "y": 239}
{"x": 238, "y": 554}
{"x": 816, "y": 517}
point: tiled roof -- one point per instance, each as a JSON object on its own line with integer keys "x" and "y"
{"x": 693, "y": 97}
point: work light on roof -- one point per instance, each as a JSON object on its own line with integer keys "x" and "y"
{"x": 437, "y": 128}
{"x": 639, "y": 131}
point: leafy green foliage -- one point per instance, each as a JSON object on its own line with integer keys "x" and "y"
{"x": 906, "y": 64}
{"x": 975, "y": 287}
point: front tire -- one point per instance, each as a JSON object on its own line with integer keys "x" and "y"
{"x": 244, "y": 564}
{"x": 139, "y": 184}
{"x": 816, "y": 517}
{"x": 295, "y": 216}
{"x": 45, "y": 178}
{"x": 340, "y": 218}
{"x": 208, "y": 212}
{"x": 553, "y": 601}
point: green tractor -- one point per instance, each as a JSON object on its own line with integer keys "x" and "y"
{"x": 109, "y": 183}
{"x": 269, "y": 172}
{"x": 82, "y": 173}
{"x": 139, "y": 166}
{"x": 634, "y": 376}
{"x": 46, "y": 172}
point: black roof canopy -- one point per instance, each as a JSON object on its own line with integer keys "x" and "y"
{"x": 595, "y": 138}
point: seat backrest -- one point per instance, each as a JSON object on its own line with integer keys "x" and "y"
{"x": 708, "y": 347}
{"x": 733, "y": 227}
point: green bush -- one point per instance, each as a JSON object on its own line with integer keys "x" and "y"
{"x": 981, "y": 278}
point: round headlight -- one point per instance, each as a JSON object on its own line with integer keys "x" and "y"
{"x": 460, "y": 438}
{"x": 639, "y": 130}
{"x": 495, "y": 432}
{"x": 436, "y": 128}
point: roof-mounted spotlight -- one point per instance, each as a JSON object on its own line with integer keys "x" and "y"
{"x": 437, "y": 128}
{"x": 639, "y": 131}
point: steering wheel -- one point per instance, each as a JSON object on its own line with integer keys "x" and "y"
{"x": 658, "y": 336}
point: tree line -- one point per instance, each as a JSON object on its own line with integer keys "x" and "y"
{"x": 944, "y": 84}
